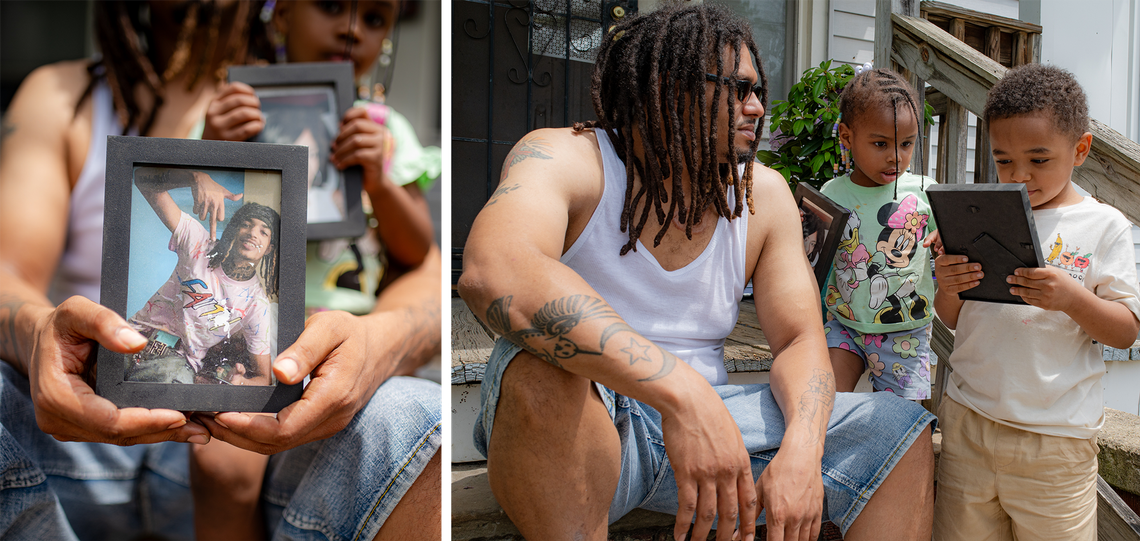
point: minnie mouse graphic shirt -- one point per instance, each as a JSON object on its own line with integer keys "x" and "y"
{"x": 881, "y": 278}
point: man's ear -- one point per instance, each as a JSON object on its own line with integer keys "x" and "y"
{"x": 1083, "y": 147}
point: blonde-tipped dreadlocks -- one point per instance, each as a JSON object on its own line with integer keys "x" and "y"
{"x": 123, "y": 34}
{"x": 650, "y": 78}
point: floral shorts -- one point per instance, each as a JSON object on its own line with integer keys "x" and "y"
{"x": 900, "y": 362}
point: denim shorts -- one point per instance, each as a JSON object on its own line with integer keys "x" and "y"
{"x": 899, "y": 362}
{"x": 867, "y": 435}
{"x": 339, "y": 488}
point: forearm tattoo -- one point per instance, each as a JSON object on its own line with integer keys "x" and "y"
{"x": 424, "y": 324}
{"x": 816, "y": 402}
{"x": 531, "y": 147}
{"x": 9, "y": 342}
{"x": 548, "y": 339}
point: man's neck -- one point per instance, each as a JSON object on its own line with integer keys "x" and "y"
{"x": 240, "y": 271}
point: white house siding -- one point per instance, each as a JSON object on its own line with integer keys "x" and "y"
{"x": 1099, "y": 44}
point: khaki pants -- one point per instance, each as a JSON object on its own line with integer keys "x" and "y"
{"x": 996, "y": 482}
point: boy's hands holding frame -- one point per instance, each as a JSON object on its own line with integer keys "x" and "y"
{"x": 1048, "y": 288}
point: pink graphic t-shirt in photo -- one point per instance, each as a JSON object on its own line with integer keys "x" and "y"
{"x": 203, "y": 306}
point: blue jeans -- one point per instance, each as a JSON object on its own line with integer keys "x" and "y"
{"x": 339, "y": 488}
{"x": 866, "y": 437}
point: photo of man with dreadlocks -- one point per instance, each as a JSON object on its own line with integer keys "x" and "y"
{"x": 612, "y": 261}
{"x": 212, "y": 320}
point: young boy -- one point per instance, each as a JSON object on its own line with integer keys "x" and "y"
{"x": 1025, "y": 400}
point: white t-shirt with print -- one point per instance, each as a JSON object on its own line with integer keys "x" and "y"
{"x": 203, "y": 306}
{"x": 1034, "y": 369}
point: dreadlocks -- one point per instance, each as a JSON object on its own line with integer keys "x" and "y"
{"x": 650, "y": 79}
{"x": 875, "y": 90}
{"x": 224, "y": 248}
{"x": 129, "y": 58}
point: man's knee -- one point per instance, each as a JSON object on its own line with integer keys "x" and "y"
{"x": 535, "y": 393}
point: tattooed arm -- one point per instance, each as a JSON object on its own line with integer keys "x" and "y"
{"x": 788, "y": 306}
{"x": 513, "y": 280}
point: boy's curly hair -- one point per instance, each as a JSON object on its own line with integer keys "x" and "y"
{"x": 650, "y": 80}
{"x": 1031, "y": 88}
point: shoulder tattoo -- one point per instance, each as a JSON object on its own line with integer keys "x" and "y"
{"x": 530, "y": 147}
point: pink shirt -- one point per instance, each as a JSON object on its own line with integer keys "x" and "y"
{"x": 203, "y": 306}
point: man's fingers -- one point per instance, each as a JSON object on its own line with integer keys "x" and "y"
{"x": 223, "y": 433}
{"x": 727, "y": 509}
{"x": 80, "y": 319}
{"x": 300, "y": 422}
{"x": 686, "y": 508}
{"x": 749, "y": 505}
{"x": 309, "y": 350}
{"x": 706, "y": 510}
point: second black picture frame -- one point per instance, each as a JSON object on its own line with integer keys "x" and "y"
{"x": 215, "y": 311}
{"x": 303, "y": 104}
{"x": 822, "y": 221}
{"x": 991, "y": 224}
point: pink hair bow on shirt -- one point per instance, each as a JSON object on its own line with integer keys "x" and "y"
{"x": 907, "y": 217}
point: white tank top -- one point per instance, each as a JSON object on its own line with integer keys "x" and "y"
{"x": 82, "y": 259}
{"x": 688, "y": 311}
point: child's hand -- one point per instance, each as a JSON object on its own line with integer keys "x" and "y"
{"x": 955, "y": 273}
{"x": 362, "y": 142}
{"x": 234, "y": 115}
{"x": 934, "y": 242}
{"x": 1049, "y": 288}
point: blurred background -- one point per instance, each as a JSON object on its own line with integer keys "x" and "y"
{"x": 35, "y": 33}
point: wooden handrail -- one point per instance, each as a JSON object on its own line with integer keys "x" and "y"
{"x": 949, "y": 11}
{"x": 964, "y": 75}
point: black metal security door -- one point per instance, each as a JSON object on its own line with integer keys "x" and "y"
{"x": 517, "y": 65}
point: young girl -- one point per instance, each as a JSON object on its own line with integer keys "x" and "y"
{"x": 346, "y": 273}
{"x": 878, "y": 299}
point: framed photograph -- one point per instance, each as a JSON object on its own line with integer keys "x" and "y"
{"x": 204, "y": 255}
{"x": 822, "y": 220}
{"x": 303, "y": 104}
{"x": 991, "y": 224}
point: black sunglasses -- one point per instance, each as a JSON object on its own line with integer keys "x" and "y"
{"x": 743, "y": 88}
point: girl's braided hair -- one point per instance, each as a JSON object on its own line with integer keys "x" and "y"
{"x": 880, "y": 89}
{"x": 122, "y": 30}
{"x": 650, "y": 79}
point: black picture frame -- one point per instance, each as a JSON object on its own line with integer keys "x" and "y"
{"x": 991, "y": 224}
{"x": 830, "y": 219}
{"x": 293, "y": 88}
{"x": 266, "y": 162}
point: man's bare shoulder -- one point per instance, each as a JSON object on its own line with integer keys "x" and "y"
{"x": 770, "y": 193}
{"x": 561, "y": 160}
{"x": 54, "y": 86}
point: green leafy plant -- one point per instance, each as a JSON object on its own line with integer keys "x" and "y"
{"x": 803, "y": 148}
